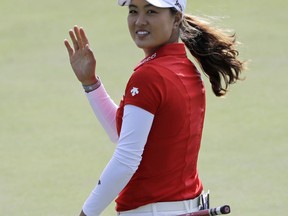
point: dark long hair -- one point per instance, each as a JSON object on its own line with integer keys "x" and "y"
{"x": 214, "y": 49}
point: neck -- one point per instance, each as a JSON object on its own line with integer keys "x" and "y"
{"x": 173, "y": 39}
{"x": 148, "y": 52}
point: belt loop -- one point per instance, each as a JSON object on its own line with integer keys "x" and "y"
{"x": 190, "y": 205}
{"x": 191, "y": 202}
{"x": 154, "y": 209}
{"x": 187, "y": 204}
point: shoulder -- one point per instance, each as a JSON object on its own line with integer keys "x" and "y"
{"x": 147, "y": 70}
{"x": 151, "y": 72}
{"x": 145, "y": 88}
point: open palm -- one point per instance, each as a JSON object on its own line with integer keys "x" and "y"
{"x": 81, "y": 57}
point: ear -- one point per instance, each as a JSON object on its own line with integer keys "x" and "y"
{"x": 177, "y": 20}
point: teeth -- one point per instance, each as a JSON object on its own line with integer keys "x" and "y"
{"x": 142, "y": 32}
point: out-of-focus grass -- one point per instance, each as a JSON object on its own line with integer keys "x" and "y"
{"x": 52, "y": 149}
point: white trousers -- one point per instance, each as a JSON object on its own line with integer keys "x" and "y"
{"x": 164, "y": 208}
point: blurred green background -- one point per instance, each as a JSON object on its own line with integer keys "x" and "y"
{"x": 52, "y": 149}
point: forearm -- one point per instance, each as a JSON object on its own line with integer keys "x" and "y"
{"x": 125, "y": 160}
{"x": 105, "y": 110}
{"x": 113, "y": 179}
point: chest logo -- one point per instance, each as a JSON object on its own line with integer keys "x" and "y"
{"x": 134, "y": 91}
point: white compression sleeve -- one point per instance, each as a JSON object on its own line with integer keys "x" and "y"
{"x": 125, "y": 161}
{"x": 105, "y": 110}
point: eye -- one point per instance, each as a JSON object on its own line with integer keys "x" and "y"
{"x": 131, "y": 11}
{"x": 151, "y": 12}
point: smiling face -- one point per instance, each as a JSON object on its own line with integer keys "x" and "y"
{"x": 151, "y": 27}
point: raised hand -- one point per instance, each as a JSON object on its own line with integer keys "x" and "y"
{"x": 81, "y": 56}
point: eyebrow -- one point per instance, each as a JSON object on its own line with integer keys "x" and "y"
{"x": 148, "y": 5}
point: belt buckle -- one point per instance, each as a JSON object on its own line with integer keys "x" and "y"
{"x": 204, "y": 201}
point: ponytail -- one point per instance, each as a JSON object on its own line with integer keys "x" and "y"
{"x": 214, "y": 50}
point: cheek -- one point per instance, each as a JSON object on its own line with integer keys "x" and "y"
{"x": 130, "y": 26}
{"x": 165, "y": 31}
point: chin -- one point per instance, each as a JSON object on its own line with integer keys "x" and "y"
{"x": 145, "y": 46}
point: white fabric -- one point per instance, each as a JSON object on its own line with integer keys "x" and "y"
{"x": 180, "y": 5}
{"x": 136, "y": 126}
{"x": 165, "y": 208}
{"x": 105, "y": 110}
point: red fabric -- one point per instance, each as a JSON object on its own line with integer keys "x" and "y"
{"x": 169, "y": 86}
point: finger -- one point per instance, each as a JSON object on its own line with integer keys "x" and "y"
{"x": 89, "y": 50}
{"x": 69, "y": 48}
{"x": 74, "y": 40}
{"x": 78, "y": 37}
{"x": 84, "y": 37}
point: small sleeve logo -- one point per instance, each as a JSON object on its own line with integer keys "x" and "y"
{"x": 134, "y": 91}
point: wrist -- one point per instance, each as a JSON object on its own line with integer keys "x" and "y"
{"x": 90, "y": 82}
{"x": 92, "y": 85}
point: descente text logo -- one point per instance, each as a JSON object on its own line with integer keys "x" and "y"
{"x": 148, "y": 58}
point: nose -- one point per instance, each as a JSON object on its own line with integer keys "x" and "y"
{"x": 141, "y": 20}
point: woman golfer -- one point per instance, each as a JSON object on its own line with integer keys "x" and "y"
{"x": 158, "y": 124}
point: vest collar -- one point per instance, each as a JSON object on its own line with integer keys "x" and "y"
{"x": 172, "y": 49}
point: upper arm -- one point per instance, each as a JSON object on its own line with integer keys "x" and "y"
{"x": 135, "y": 129}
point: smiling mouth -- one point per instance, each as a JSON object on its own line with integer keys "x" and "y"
{"x": 142, "y": 33}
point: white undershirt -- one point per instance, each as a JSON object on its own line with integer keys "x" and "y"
{"x": 105, "y": 110}
{"x": 136, "y": 125}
